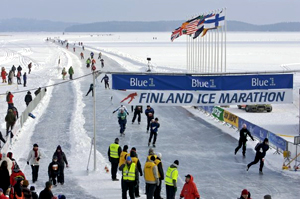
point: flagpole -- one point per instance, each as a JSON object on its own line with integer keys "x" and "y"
{"x": 187, "y": 55}
{"x": 222, "y": 34}
{"x": 225, "y": 56}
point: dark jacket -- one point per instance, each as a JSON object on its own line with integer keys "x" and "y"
{"x": 5, "y": 179}
{"x": 34, "y": 195}
{"x": 105, "y": 78}
{"x": 10, "y": 117}
{"x": 19, "y": 68}
{"x": 147, "y": 111}
{"x": 46, "y": 194}
{"x": 27, "y": 193}
{"x": 261, "y": 150}
{"x": 138, "y": 109}
{"x": 53, "y": 168}
{"x": 61, "y": 158}
{"x": 114, "y": 160}
{"x": 13, "y": 68}
{"x": 243, "y": 135}
{"x": 37, "y": 91}
{"x": 154, "y": 127}
{"x": 28, "y": 98}
{"x": 24, "y": 77}
{"x": 138, "y": 165}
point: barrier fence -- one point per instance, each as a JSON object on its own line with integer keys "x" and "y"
{"x": 23, "y": 118}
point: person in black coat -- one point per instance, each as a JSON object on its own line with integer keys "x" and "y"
{"x": 53, "y": 170}
{"x": 137, "y": 112}
{"x": 61, "y": 159}
{"x": 149, "y": 112}
{"x": 46, "y": 193}
{"x": 33, "y": 193}
{"x": 28, "y": 98}
{"x": 244, "y": 132}
{"x": 261, "y": 150}
{"x": 91, "y": 89}
{"x": 4, "y": 176}
{"x": 19, "y": 68}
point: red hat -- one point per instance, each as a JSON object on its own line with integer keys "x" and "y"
{"x": 245, "y": 192}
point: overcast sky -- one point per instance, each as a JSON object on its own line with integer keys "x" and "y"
{"x": 86, "y": 11}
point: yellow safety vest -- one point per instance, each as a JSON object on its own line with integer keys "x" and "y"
{"x": 149, "y": 157}
{"x": 114, "y": 150}
{"x": 172, "y": 174}
{"x": 157, "y": 161}
{"x": 148, "y": 169}
{"x": 129, "y": 174}
{"x": 134, "y": 160}
{"x": 123, "y": 157}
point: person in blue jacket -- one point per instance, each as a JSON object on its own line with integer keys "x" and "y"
{"x": 153, "y": 131}
{"x": 261, "y": 150}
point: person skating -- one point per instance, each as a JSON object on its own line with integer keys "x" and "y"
{"x": 53, "y": 170}
{"x": 137, "y": 112}
{"x": 122, "y": 107}
{"x": 64, "y": 73}
{"x": 81, "y": 55}
{"x": 151, "y": 177}
{"x": 33, "y": 160}
{"x": 171, "y": 180}
{"x": 136, "y": 161}
{"x": 122, "y": 120}
{"x": 10, "y": 120}
{"x": 100, "y": 55}
{"x": 71, "y": 72}
{"x": 24, "y": 79}
{"x": 106, "y": 81}
{"x": 153, "y": 131}
{"x": 114, "y": 152}
{"x": 129, "y": 176}
{"x": 244, "y": 132}
{"x": 92, "y": 55}
{"x": 47, "y": 192}
{"x": 102, "y": 62}
{"x": 13, "y": 69}
{"x": 29, "y": 67}
{"x": 28, "y": 98}
{"x": 261, "y": 150}
{"x": 62, "y": 160}
{"x": 91, "y": 89}
{"x": 189, "y": 189}
{"x": 149, "y": 112}
{"x": 88, "y": 62}
{"x": 19, "y": 77}
{"x": 161, "y": 175}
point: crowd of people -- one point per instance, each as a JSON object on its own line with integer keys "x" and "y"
{"x": 15, "y": 73}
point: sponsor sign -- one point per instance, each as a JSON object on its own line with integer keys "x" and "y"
{"x": 218, "y": 113}
{"x": 231, "y": 118}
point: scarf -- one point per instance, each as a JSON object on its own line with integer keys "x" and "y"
{"x": 35, "y": 152}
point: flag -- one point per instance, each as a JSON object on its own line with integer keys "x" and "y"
{"x": 200, "y": 26}
{"x": 214, "y": 21}
{"x": 191, "y": 28}
{"x": 176, "y": 33}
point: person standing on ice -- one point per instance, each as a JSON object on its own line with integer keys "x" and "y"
{"x": 19, "y": 77}
{"x": 129, "y": 176}
{"x": 13, "y": 68}
{"x": 10, "y": 77}
{"x": 3, "y": 75}
{"x": 71, "y": 72}
{"x": 106, "y": 81}
{"x": 100, "y": 55}
{"x": 122, "y": 119}
{"x": 64, "y": 73}
{"x": 171, "y": 180}
{"x": 161, "y": 176}
{"x": 261, "y": 150}
{"x": 10, "y": 120}
{"x": 24, "y": 79}
{"x": 92, "y": 55}
{"x": 9, "y": 99}
{"x": 137, "y": 112}
{"x": 149, "y": 112}
{"x": 81, "y": 55}
{"x": 189, "y": 189}
{"x": 102, "y": 62}
{"x": 53, "y": 170}
{"x": 33, "y": 160}
{"x": 88, "y": 62}
{"x": 114, "y": 152}
{"x": 244, "y": 132}
{"x": 62, "y": 160}
{"x": 153, "y": 131}
{"x": 91, "y": 89}
{"x": 29, "y": 67}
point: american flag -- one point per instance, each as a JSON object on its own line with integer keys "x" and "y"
{"x": 192, "y": 27}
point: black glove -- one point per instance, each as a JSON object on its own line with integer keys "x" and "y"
{"x": 141, "y": 174}
{"x": 114, "y": 111}
{"x": 127, "y": 113}
{"x": 38, "y": 158}
{"x": 27, "y": 162}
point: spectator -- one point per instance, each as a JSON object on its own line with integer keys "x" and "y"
{"x": 2, "y": 196}
{"x": 267, "y": 197}
{"x": 26, "y": 192}
{"x": 4, "y": 176}
{"x": 10, "y": 120}
{"x": 33, "y": 193}
{"x": 46, "y": 193}
{"x": 28, "y": 98}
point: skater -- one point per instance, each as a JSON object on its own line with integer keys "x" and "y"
{"x": 122, "y": 120}
{"x": 91, "y": 89}
{"x": 9, "y": 100}
{"x": 100, "y": 55}
{"x": 28, "y": 98}
{"x": 33, "y": 193}
{"x": 161, "y": 175}
{"x": 10, "y": 120}
{"x": 92, "y": 55}
{"x": 3, "y": 75}
{"x": 129, "y": 176}
{"x": 53, "y": 170}
{"x": 171, "y": 180}
{"x": 243, "y": 139}
{"x": 137, "y": 163}
{"x": 123, "y": 155}
{"x": 81, "y": 55}
{"x": 114, "y": 152}
{"x": 106, "y": 81}
{"x": 137, "y": 112}
{"x": 93, "y": 62}
{"x": 64, "y": 73}
{"x": 29, "y": 67}
{"x": 82, "y": 47}
{"x": 120, "y": 108}
{"x": 88, "y": 62}
{"x": 149, "y": 112}
{"x": 71, "y": 72}
{"x": 189, "y": 190}
{"x": 261, "y": 150}
{"x": 62, "y": 160}
{"x": 151, "y": 177}
{"x": 153, "y": 131}
{"x": 34, "y": 161}
{"x": 46, "y": 193}
{"x": 24, "y": 79}
{"x": 102, "y": 62}
{"x": 74, "y": 49}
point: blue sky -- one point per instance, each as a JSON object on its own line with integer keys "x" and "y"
{"x": 85, "y": 11}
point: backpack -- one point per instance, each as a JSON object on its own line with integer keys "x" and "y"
{"x": 13, "y": 195}
{"x": 256, "y": 147}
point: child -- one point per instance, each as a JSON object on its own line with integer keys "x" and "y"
{"x": 33, "y": 193}
{"x": 53, "y": 170}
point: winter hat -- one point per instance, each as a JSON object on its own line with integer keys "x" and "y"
{"x": 32, "y": 188}
{"x": 245, "y": 192}
{"x": 48, "y": 184}
{"x": 54, "y": 157}
{"x": 159, "y": 155}
{"x": 176, "y": 162}
{"x": 61, "y": 197}
{"x": 1, "y": 190}
{"x": 25, "y": 183}
{"x": 35, "y": 145}
{"x": 10, "y": 155}
{"x": 188, "y": 176}
{"x": 133, "y": 149}
{"x": 151, "y": 151}
{"x": 16, "y": 168}
{"x": 28, "y": 92}
{"x": 128, "y": 158}
{"x": 156, "y": 119}
{"x": 58, "y": 147}
{"x": 267, "y": 197}
{"x": 125, "y": 148}
{"x": 266, "y": 140}
{"x": 117, "y": 140}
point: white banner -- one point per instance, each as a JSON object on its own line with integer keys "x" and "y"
{"x": 202, "y": 98}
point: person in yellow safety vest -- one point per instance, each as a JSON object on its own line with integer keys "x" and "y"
{"x": 160, "y": 176}
{"x": 123, "y": 155}
{"x": 150, "y": 153}
{"x": 129, "y": 177}
{"x": 151, "y": 177}
{"x": 171, "y": 180}
{"x": 114, "y": 152}
{"x": 137, "y": 162}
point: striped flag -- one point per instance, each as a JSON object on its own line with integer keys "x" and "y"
{"x": 192, "y": 27}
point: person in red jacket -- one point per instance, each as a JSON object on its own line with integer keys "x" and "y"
{"x": 9, "y": 99}
{"x": 17, "y": 173}
{"x": 189, "y": 190}
{"x": 2, "y": 196}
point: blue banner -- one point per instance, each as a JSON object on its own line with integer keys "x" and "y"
{"x": 202, "y": 83}
{"x": 277, "y": 141}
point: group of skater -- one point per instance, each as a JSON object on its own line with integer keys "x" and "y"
{"x": 14, "y": 184}
{"x": 8, "y": 77}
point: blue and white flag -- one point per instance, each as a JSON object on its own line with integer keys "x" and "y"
{"x": 214, "y": 21}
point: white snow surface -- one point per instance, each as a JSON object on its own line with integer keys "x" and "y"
{"x": 65, "y": 115}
